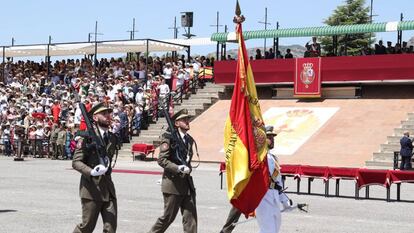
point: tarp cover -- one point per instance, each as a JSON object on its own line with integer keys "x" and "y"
{"x": 68, "y": 49}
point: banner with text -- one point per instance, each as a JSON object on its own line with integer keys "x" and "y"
{"x": 308, "y": 77}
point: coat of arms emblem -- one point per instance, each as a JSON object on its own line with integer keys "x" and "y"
{"x": 308, "y": 74}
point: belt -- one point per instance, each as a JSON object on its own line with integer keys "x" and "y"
{"x": 275, "y": 185}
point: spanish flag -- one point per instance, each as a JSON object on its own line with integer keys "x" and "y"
{"x": 245, "y": 138}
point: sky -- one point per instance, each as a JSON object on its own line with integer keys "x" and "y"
{"x": 31, "y": 22}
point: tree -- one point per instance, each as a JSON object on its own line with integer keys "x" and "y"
{"x": 352, "y": 12}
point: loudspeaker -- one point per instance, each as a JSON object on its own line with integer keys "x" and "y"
{"x": 187, "y": 19}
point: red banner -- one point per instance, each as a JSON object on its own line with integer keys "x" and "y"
{"x": 308, "y": 77}
{"x": 245, "y": 140}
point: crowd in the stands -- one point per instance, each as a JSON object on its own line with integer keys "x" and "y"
{"x": 39, "y": 112}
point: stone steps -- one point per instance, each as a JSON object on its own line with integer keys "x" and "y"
{"x": 380, "y": 164}
{"x": 210, "y": 90}
{"x": 205, "y": 96}
{"x": 213, "y": 85}
{"x": 407, "y": 126}
{"x": 152, "y": 133}
{"x": 383, "y": 156}
{"x": 157, "y": 126}
{"x": 192, "y": 112}
{"x": 395, "y": 139}
{"x": 400, "y": 131}
{"x": 149, "y": 136}
{"x": 155, "y": 130}
{"x": 407, "y": 122}
{"x": 191, "y": 106}
{"x": 194, "y": 103}
{"x": 390, "y": 147}
{"x": 199, "y": 102}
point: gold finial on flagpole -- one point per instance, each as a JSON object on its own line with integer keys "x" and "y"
{"x": 239, "y": 18}
{"x": 238, "y": 11}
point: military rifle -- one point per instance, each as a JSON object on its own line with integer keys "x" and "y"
{"x": 176, "y": 140}
{"x": 91, "y": 133}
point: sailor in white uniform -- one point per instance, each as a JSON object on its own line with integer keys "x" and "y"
{"x": 268, "y": 213}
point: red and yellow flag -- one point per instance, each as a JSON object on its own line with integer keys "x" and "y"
{"x": 245, "y": 139}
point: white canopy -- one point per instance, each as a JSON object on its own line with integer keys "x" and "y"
{"x": 118, "y": 46}
{"x": 192, "y": 42}
{"x": 67, "y": 49}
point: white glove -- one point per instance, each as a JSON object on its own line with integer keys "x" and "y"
{"x": 286, "y": 202}
{"x": 183, "y": 169}
{"x": 286, "y": 205}
{"x": 99, "y": 170}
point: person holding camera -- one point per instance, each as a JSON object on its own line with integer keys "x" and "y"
{"x": 177, "y": 184}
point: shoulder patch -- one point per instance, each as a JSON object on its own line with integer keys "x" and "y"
{"x": 79, "y": 143}
{"x": 164, "y": 147}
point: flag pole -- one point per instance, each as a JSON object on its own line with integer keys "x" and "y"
{"x": 244, "y": 135}
{"x": 239, "y": 18}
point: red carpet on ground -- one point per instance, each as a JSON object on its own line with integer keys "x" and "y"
{"x": 137, "y": 172}
{"x": 132, "y": 171}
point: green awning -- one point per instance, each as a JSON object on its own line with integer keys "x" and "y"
{"x": 317, "y": 31}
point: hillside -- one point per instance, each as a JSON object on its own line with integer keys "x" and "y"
{"x": 411, "y": 41}
{"x": 297, "y": 51}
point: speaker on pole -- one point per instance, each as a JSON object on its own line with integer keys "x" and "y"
{"x": 187, "y": 19}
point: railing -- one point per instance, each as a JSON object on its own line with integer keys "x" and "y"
{"x": 397, "y": 158}
{"x": 177, "y": 95}
{"x": 152, "y": 114}
{"x": 19, "y": 147}
{"x": 192, "y": 85}
{"x": 362, "y": 177}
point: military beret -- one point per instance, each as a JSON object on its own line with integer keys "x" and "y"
{"x": 99, "y": 108}
{"x": 183, "y": 113}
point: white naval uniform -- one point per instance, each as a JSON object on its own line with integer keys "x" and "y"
{"x": 268, "y": 213}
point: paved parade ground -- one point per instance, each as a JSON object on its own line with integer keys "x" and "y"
{"x": 40, "y": 195}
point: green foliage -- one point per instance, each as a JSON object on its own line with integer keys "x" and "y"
{"x": 352, "y": 12}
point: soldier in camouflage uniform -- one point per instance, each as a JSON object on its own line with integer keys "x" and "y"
{"x": 177, "y": 184}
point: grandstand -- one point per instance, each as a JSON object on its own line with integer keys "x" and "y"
{"x": 370, "y": 95}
